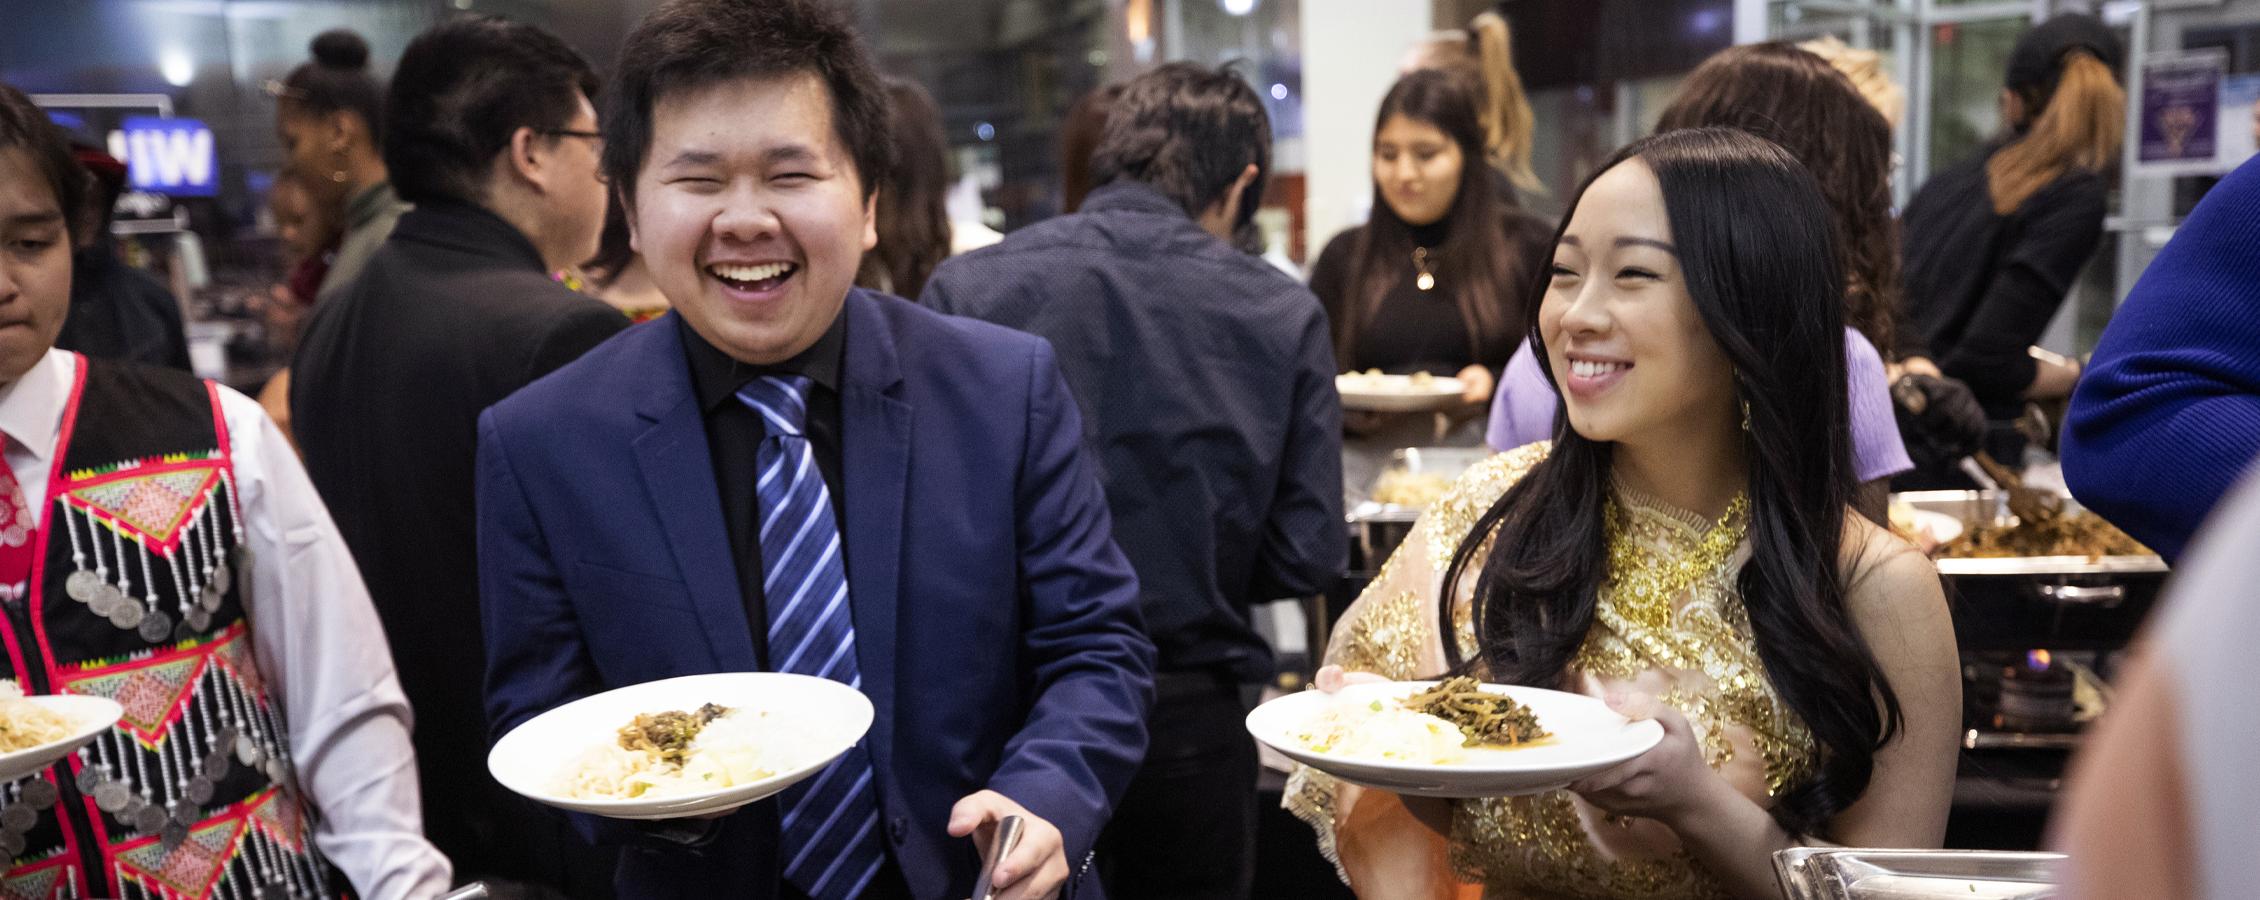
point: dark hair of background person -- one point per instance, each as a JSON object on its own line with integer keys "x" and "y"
{"x": 614, "y": 247}
{"x": 336, "y": 79}
{"x": 1078, "y": 139}
{"x": 691, "y": 44}
{"x": 1187, "y": 131}
{"x": 106, "y": 180}
{"x": 1796, "y": 99}
{"x": 1753, "y": 239}
{"x": 2074, "y": 109}
{"x": 1486, "y": 278}
{"x": 462, "y": 89}
{"x": 24, "y": 126}
{"x": 1483, "y": 52}
{"x": 913, "y": 212}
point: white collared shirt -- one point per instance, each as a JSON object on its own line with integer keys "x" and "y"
{"x": 314, "y": 632}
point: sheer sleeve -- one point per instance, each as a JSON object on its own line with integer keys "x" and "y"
{"x": 1391, "y": 630}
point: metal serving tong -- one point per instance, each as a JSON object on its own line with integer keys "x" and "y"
{"x": 1008, "y": 837}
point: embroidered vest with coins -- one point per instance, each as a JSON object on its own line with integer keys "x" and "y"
{"x": 135, "y": 592}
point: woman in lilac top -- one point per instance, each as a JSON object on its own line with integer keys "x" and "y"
{"x": 1791, "y": 97}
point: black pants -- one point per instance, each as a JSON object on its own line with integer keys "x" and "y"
{"x": 1186, "y": 829}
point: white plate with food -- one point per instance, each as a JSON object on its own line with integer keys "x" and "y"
{"x": 35, "y": 732}
{"x": 1928, "y": 529}
{"x": 688, "y": 746}
{"x": 1373, "y": 391}
{"x": 1413, "y": 737}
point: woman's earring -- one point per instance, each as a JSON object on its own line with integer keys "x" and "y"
{"x": 1745, "y": 416}
{"x": 337, "y": 175}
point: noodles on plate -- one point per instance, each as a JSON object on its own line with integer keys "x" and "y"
{"x": 24, "y": 724}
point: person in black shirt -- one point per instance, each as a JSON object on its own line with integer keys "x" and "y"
{"x": 1994, "y": 244}
{"x": 490, "y": 133}
{"x": 1435, "y": 281}
{"x": 1206, "y": 381}
{"x": 117, "y": 312}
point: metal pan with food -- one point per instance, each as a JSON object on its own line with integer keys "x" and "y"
{"x": 1382, "y": 516}
{"x": 2053, "y": 576}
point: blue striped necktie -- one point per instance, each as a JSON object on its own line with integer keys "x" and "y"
{"x": 831, "y": 821}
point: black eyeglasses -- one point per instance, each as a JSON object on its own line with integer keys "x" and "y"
{"x": 568, "y": 132}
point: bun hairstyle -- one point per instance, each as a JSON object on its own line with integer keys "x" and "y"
{"x": 335, "y": 80}
{"x": 340, "y": 49}
{"x": 2074, "y": 109}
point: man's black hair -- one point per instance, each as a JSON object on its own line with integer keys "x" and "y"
{"x": 462, "y": 89}
{"x": 691, "y": 44}
{"x": 1187, "y": 131}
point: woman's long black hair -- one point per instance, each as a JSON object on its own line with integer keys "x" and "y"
{"x": 1476, "y": 263}
{"x": 1753, "y": 239}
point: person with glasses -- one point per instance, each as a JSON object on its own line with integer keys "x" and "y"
{"x": 489, "y": 131}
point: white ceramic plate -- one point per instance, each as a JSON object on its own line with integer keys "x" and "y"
{"x": 1587, "y": 737}
{"x": 1396, "y": 393}
{"x": 90, "y": 715}
{"x": 1939, "y": 527}
{"x": 815, "y": 720}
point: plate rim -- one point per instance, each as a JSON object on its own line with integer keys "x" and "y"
{"x": 1654, "y": 729}
{"x": 1444, "y": 386}
{"x": 111, "y": 712}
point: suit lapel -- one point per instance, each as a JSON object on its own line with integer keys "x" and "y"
{"x": 678, "y": 473}
{"x": 875, "y": 459}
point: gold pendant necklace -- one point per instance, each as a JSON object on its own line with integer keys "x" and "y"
{"x": 1426, "y": 280}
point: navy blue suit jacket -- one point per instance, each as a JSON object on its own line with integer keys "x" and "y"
{"x": 996, "y": 623}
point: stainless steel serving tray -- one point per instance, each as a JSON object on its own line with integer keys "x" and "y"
{"x": 1974, "y": 507}
{"x": 1827, "y": 873}
{"x": 1377, "y": 528}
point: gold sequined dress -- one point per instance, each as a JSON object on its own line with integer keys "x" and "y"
{"x": 1669, "y": 623}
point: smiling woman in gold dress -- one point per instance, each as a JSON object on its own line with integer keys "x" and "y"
{"x": 1684, "y": 552}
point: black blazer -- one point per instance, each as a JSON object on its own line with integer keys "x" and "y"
{"x": 452, "y": 314}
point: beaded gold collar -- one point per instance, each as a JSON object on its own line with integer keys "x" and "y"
{"x": 1645, "y": 580}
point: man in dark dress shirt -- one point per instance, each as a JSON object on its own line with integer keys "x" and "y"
{"x": 491, "y": 134}
{"x": 734, "y": 431}
{"x": 1206, "y": 379}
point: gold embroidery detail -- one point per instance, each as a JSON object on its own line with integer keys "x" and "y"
{"x": 1691, "y": 625}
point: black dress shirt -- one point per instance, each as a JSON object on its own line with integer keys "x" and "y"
{"x": 734, "y": 432}
{"x": 1206, "y": 382}
{"x": 1412, "y": 330}
{"x": 455, "y": 312}
{"x": 121, "y": 313}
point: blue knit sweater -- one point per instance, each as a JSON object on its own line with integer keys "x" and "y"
{"x": 2168, "y": 413}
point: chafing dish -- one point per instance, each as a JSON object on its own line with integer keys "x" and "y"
{"x": 1376, "y": 528}
{"x": 1827, "y": 873}
{"x": 1973, "y": 507}
{"x": 2017, "y": 603}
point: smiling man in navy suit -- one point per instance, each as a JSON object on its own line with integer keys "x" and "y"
{"x": 790, "y": 474}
